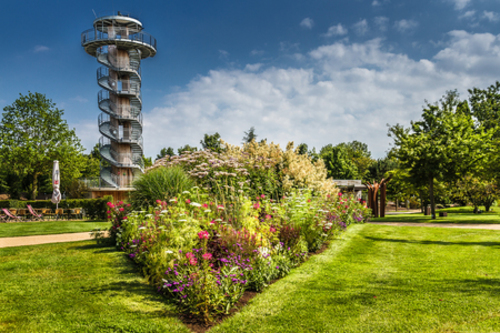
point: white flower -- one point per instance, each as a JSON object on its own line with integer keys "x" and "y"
{"x": 168, "y": 251}
{"x": 133, "y": 246}
{"x": 142, "y": 228}
{"x": 207, "y": 211}
{"x": 218, "y": 220}
{"x": 164, "y": 211}
{"x": 182, "y": 220}
{"x": 186, "y": 192}
{"x": 172, "y": 200}
{"x": 149, "y": 215}
{"x": 195, "y": 204}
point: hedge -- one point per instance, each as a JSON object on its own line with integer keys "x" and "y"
{"x": 94, "y": 208}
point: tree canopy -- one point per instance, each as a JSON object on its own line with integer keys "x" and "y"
{"x": 444, "y": 146}
{"x": 33, "y": 134}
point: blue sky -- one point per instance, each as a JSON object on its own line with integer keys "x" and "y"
{"x": 317, "y": 72}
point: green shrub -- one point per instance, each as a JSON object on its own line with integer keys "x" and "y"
{"x": 161, "y": 183}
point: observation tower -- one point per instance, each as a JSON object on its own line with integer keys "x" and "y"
{"x": 118, "y": 43}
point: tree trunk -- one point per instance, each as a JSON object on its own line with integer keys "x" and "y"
{"x": 431, "y": 197}
{"x": 34, "y": 189}
{"x": 397, "y": 204}
{"x": 382, "y": 199}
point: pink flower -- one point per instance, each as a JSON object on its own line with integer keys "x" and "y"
{"x": 124, "y": 217}
{"x": 158, "y": 201}
{"x": 262, "y": 196}
{"x": 340, "y": 194}
{"x": 308, "y": 200}
{"x": 205, "y": 205}
{"x": 121, "y": 209}
{"x": 203, "y": 234}
{"x": 128, "y": 205}
{"x": 256, "y": 205}
{"x": 191, "y": 258}
{"x": 109, "y": 216}
{"x": 212, "y": 222}
{"x": 207, "y": 256}
{"x": 120, "y": 202}
{"x": 220, "y": 207}
{"x": 268, "y": 217}
{"x": 188, "y": 201}
{"x": 271, "y": 229}
{"x": 108, "y": 212}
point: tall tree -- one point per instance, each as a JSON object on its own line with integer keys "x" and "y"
{"x": 485, "y": 105}
{"x": 302, "y": 149}
{"x": 164, "y": 152}
{"x": 212, "y": 142}
{"x": 338, "y": 163}
{"x": 186, "y": 148}
{"x": 359, "y": 154}
{"x": 443, "y": 146}
{"x": 33, "y": 134}
{"x": 250, "y": 135}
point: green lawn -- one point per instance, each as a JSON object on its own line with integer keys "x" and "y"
{"x": 375, "y": 279}
{"x": 455, "y": 215}
{"x": 49, "y": 227}
{"x": 386, "y": 279}
{"x": 77, "y": 287}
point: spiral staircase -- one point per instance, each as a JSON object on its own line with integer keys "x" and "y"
{"x": 119, "y": 44}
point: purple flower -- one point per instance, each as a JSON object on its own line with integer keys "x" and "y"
{"x": 277, "y": 267}
{"x": 132, "y": 255}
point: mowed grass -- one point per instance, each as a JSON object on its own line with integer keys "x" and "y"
{"x": 374, "y": 279}
{"x": 18, "y": 229}
{"x": 386, "y": 279}
{"x": 77, "y": 287}
{"x": 455, "y": 215}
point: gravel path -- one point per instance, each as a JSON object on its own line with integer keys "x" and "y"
{"x": 442, "y": 225}
{"x": 44, "y": 239}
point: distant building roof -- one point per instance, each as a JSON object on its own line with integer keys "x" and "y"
{"x": 349, "y": 184}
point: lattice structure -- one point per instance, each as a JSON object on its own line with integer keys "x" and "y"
{"x": 118, "y": 43}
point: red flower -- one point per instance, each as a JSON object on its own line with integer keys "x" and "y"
{"x": 188, "y": 201}
{"x": 207, "y": 256}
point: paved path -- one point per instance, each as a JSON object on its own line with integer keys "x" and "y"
{"x": 74, "y": 237}
{"x": 44, "y": 239}
{"x": 442, "y": 225}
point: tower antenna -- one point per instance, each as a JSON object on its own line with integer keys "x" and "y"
{"x": 93, "y": 11}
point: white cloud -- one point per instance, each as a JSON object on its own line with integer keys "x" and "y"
{"x": 405, "y": 25}
{"x": 80, "y": 99}
{"x": 257, "y": 52}
{"x": 468, "y": 15}
{"x": 223, "y": 54}
{"x": 88, "y": 133}
{"x": 381, "y": 22}
{"x": 376, "y": 3}
{"x": 491, "y": 16}
{"x": 307, "y": 23}
{"x": 253, "y": 67}
{"x": 361, "y": 27}
{"x": 459, "y": 4}
{"x": 287, "y": 46}
{"x": 41, "y": 48}
{"x": 348, "y": 91}
{"x": 336, "y": 30}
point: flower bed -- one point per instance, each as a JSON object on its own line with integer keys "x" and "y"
{"x": 203, "y": 259}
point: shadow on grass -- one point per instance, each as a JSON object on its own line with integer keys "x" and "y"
{"x": 428, "y": 242}
{"x": 106, "y": 247}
